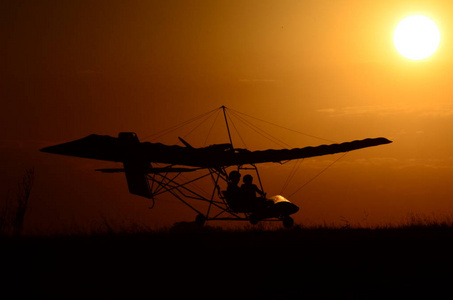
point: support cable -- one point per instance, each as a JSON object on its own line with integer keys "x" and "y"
{"x": 291, "y": 175}
{"x": 296, "y": 131}
{"x": 317, "y": 175}
{"x": 237, "y": 131}
{"x": 177, "y": 126}
{"x": 212, "y": 126}
{"x": 262, "y": 132}
{"x": 201, "y": 123}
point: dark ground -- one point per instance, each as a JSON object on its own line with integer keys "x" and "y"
{"x": 288, "y": 264}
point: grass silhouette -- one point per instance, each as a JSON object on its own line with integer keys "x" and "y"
{"x": 124, "y": 259}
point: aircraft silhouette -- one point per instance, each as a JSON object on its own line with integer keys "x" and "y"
{"x": 145, "y": 179}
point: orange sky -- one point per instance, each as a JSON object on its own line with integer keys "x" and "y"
{"x": 327, "y": 68}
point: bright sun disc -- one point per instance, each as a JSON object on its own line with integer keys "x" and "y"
{"x": 416, "y": 37}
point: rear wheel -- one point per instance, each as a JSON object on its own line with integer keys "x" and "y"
{"x": 288, "y": 222}
{"x": 200, "y": 219}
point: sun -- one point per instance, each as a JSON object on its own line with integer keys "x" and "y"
{"x": 416, "y": 37}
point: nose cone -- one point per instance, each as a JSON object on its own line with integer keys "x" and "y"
{"x": 286, "y": 208}
{"x": 283, "y": 206}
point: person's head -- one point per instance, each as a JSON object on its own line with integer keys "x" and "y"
{"x": 248, "y": 179}
{"x": 234, "y": 177}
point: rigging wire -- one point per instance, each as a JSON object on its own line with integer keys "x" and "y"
{"x": 317, "y": 175}
{"x": 196, "y": 186}
{"x": 291, "y": 175}
{"x": 186, "y": 178}
{"x": 212, "y": 126}
{"x": 239, "y": 116}
{"x": 262, "y": 132}
{"x": 296, "y": 131}
{"x": 234, "y": 126}
{"x": 177, "y": 126}
{"x": 201, "y": 123}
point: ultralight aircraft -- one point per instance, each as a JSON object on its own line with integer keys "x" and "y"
{"x": 147, "y": 178}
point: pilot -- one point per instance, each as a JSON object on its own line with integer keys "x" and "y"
{"x": 233, "y": 188}
{"x": 234, "y": 193}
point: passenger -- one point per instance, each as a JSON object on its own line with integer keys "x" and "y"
{"x": 250, "y": 191}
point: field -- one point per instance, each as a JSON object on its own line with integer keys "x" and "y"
{"x": 210, "y": 263}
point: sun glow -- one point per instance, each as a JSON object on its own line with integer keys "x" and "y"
{"x": 416, "y": 37}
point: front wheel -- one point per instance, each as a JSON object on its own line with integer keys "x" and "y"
{"x": 288, "y": 222}
{"x": 254, "y": 219}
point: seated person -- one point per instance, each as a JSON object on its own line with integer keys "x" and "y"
{"x": 250, "y": 191}
{"x": 233, "y": 193}
{"x": 233, "y": 181}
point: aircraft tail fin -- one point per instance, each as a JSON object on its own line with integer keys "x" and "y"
{"x": 136, "y": 179}
{"x": 135, "y": 170}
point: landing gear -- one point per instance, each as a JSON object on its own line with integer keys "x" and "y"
{"x": 200, "y": 220}
{"x": 254, "y": 219}
{"x": 288, "y": 222}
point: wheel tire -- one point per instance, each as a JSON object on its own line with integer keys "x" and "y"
{"x": 253, "y": 219}
{"x": 288, "y": 222}
{"x": 200, "y": 219}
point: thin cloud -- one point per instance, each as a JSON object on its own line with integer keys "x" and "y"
{"x": 404, "y": 163}
{"x": 390, "y": 110}
{"x": 246, "y": 80}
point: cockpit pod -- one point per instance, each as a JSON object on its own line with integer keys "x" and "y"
{"x": 279, "y": 207}
{"x": 283, "y": 206}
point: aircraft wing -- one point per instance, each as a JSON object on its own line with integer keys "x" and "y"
{"x": 126, "y": 149}
{"x": 254, "y": 157}
{"x": 223, "y": 155}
